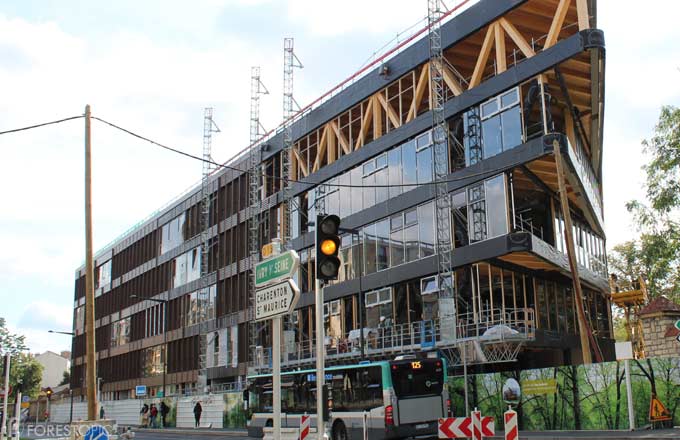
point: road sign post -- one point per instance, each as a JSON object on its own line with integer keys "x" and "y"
{"x": 276, "y": 295}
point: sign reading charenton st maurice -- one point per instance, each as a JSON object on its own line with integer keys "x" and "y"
{"x": 280, "y": 267}
{"x": 276, "y": 300}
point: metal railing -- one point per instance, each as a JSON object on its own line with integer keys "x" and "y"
{"x": 491, "y": 326}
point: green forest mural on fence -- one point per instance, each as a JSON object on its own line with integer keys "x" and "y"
{"x": 585, "y": 397}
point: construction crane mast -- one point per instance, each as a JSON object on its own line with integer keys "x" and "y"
{"x": 435, "y": 14}
{"x": 290, "y": 62}
{"x": 257, "y": 88}
{"x": 209, "y": 127}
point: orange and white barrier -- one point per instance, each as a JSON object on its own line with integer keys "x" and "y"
{"x": 304, "y": 427}
{"x": 511, "y": 431}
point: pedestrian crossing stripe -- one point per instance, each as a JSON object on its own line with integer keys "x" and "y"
{"x": 657, "y": 411}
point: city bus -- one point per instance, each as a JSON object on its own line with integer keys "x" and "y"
{"x": 399, "y": 399}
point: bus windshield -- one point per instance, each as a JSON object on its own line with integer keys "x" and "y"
{"x": 422, "y": 377}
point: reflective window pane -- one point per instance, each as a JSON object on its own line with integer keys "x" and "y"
{"x": 509, "y": 98}
{"x": 411, "y": 241}
{"x": 382, "y": 232}
{"x": 357, "y": 197}
{"x": 492, "y": 136}
{"x": 408, "y": 158}
{"x": 397, "y": 248}
{"x": 426, "y": 227}
{"x": 394, "y": 160}
{"x": 369, "y": 191}
{"x": 424, "y": 158}
{"x": 512, "y": 128}
{"x": 369, "y": 249}
{"x": 497, "y": 211}
{"x": 489, "y": 108}
{"x": 411, "y": 217}
{"x": 345, "y": 195}
{"x": 381, "y": 192}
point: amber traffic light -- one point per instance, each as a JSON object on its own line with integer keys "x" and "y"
{"x": 327, "y": 246}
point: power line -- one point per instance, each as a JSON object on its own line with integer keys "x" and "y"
{"x": 30, "y": 127}
{"x": 310, "y": 184}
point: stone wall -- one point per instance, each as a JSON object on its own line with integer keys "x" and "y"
{"x": 655, "y": 329}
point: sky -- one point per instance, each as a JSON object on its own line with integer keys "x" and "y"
{"x": 153, "y": 66}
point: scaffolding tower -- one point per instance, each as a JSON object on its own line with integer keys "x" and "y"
{"x": 209, "y": 127}
{"x": 257, "y": 88}
{"x": 631, "y": 297}
{"x": 441, "y": 170}
{"x": 290, "y": 62}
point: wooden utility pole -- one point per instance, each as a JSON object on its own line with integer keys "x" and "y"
{"x": 90, "y": 353}
{"x": 578, "y": 294}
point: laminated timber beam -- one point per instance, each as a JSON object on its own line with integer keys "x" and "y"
{"x": 544, "y": 62}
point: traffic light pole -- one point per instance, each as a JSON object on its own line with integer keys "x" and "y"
{"x": 320, "y": 376}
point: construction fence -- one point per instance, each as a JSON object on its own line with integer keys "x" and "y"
{"x": 219, "y": 411}
{"x": 588, "y": 397}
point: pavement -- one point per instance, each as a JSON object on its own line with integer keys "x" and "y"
{"x": 52, "y": 432}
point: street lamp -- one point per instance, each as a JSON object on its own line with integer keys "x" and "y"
{"x": 165, "y": 333}
{"x": 61, "y": 333}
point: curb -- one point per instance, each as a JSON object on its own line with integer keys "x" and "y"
{"x": 210, "y": 432}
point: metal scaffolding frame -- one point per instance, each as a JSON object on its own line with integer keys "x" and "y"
{"x": 290, "y": 62}
{"x": 209, "y": 127}
{"x": 257, "y": 88}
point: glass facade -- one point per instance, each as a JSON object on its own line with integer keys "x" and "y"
{"x": 172, "y": 233}
{"x": 120, "y": 332}
{"x": 589, "y": 247}
{"x": 499, "y": 120}
{"x": 407, "y": 164}
{"x": 389, "y": 242}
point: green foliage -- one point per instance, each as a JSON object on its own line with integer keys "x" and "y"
{"x": 10, "y": 342}
{"x": 25, "y": 370}
{"x": 66, "y": 379}
{"x": 656, "y": 253}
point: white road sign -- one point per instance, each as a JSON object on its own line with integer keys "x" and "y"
{"x": 276, "y": 300}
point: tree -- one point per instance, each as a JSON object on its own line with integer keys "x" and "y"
{"x": 66, "y": 379}
{"x": 656, "y": 253}
{"x": 25, "y": 372}
{"x": 10, "y": 342}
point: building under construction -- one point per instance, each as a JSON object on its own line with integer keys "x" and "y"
{"x": 469, "y": 163}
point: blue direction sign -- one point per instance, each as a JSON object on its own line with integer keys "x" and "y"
{"x": 140, "y": 390}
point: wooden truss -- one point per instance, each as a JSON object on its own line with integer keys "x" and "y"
{"x": 520, "y": 34}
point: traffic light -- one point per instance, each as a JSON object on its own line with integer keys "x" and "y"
{"x": 327, "y": 246}
{"x": 48, "y": 393}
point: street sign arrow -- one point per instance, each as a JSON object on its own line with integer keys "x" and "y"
{"x": 444, "y": 428}
{"x": 454, "y": 427}
{"x": 488, "y": 427}
{"x": 277, "y": 268}
{"x": 677, "y": 324}
{"x": 276, "y": 300}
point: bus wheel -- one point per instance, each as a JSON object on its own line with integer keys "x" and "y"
{"x": 339, "y": 431}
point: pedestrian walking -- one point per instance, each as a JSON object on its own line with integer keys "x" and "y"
{"x": 145, "y": 415}
{"x": 101, "y": 412}
{"x": 165, "y": 409}
{"x": 198, "y": 409}
{"x": 153, "y": 413}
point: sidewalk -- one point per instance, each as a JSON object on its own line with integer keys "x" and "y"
{"x": 221, "y": 432}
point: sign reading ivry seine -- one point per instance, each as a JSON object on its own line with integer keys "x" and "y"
{"x": 276, "y": 268}
{"x": 276, "y": 300}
